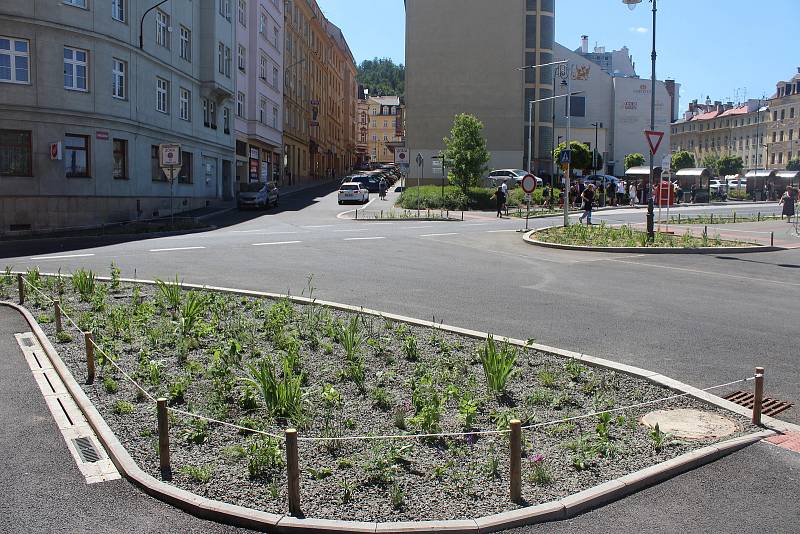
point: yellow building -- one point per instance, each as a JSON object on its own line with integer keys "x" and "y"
{"x": 384, "y": 126}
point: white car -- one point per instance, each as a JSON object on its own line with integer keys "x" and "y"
{"x": 736, "y": 183}
{"x": 716, "y": 186}
{"x": 511, "y": 177}
{"x": 353, "y": 192}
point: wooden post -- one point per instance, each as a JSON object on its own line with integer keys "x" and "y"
{"x": 293, "y": 472}
{"x": 88, "y": 340}
{"x": 516, "y": 460}
{"x": 21, "y": 287}
{"x": 57, "y": 313}
{"x": 772, "y": 239}
{"x": 759, "y": 395}
{"x": 163, "y": 435}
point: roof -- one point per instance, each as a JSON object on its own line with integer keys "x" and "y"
{"x": 386, "y": 100}
{"x": 696, "y": 171}
{"x": 763, "y": 173}
{"x": 643, "y": 171}
{"x": 706, "y": 116}
{"x": 741, "y": 110}
{"x": 791, "y": 175}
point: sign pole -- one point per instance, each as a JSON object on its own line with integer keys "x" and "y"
{"x": 172, "y": 198}
{"x": 569, "y": 147}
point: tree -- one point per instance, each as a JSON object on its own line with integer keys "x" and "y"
{"x": 465, "y": 154}
{"x": 382, "y": 77}
{"x": 730, "y": 165}
{"x": 793, "y": 165}
{"x": 711, "y": 162}
{"x": 633, "y": 160}
{"x": 682, "y": 160}
{"x": 581, "y": 155}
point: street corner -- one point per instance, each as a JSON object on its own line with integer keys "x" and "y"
{"x": 789, "y": 441}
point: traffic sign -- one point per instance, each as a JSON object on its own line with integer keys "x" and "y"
{"x": 419, "y": 160}
{"x": 565, "y": 157}
{"x": 654, "y": 140}
{"x": 401, "y": 155}
{"x": 169, "y": 158}
{"x": 55, "y": 151}
{"x": 529, "y": 183}
{"x": 528, "y": 198}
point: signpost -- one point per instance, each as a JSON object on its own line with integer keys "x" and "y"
{"x": 529, "y": 186}
{"x": 169, "y": 158}
{"x": 654, "y": 140}
{"x": 420, "y": 161}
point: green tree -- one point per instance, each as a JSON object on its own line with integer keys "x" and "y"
{"x": 711, "y": 162}
{"x": 793, "y": 165}
{"x": 682, "y": 160}
{"x": 382, "y": 77}
{"x": 465, "y": 154}
{"x": 730, "y": 165}
{"x": 581, "y": 155}
{"x": 633, "y": 160}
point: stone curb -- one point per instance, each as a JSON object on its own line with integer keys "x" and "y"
{"x": 648, "y": 250}
{"x": 566, "y": 507}
{"x": 149, "y": 235}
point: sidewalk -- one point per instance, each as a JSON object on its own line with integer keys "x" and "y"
{"x": 41, "y": 488}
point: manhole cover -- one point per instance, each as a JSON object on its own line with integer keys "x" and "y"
{"x": 770, "y": 407}
{"x": 690, "y": 424}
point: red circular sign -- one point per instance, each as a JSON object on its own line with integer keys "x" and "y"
{"x": 529, "y": 183}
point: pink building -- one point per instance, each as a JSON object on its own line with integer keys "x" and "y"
{"x": 258, "y": 99}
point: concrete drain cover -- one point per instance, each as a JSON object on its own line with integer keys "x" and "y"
{"x": 690, "y": 424}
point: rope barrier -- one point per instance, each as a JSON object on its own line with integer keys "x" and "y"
{"x": 118, "y": 368}
{"x": 223, "y": 423}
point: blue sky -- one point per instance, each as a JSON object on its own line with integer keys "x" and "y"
{"x": 712, "y": 47}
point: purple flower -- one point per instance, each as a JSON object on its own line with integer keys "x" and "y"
{"x": 471, "y": 439}
{"x": 537, "y": 458}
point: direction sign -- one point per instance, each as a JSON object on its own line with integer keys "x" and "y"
{"x": 401, "y": 155}
{"x": 654, "y": 140}
{"x": 529, "y": 183}
{"x": 565, "y": 157}
{"x": 419, "y": 160}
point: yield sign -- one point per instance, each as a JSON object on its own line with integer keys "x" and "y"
{"x": 654, "y": 140}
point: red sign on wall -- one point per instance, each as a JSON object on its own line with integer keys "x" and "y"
{"x": 102, "y": 136}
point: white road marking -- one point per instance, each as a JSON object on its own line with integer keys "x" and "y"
{"x": 363, "y": 238}
{"x": 477, "y": 224}
{"x": 276, "y": 243}
{"x": 61, "y": 257}
{"x": 175, "y": 249}
{"x": 499, "y": 231}
{"x": 713, "y": 274}
{"x": 262, "y": 232}
{"x": 358, "y": 230}
{"x": 362, "y": 207}
{"x": 437, "y": 235}
{"x": 319, "y": 226}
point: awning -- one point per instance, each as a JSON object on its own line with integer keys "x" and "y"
{"x": 763, "y": 173}
{"x": 643, "y": 172}
{"x": 697, "y": 172}
{"x": 788, "y": 175}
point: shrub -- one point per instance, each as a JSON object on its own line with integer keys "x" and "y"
{"x": 122, "y": 407}
{"x": 63, "y": 337}
{"x": 498, "y": 365}
{"x": 109, "y": 384}
{"x": 201, "y": 474}
{"x": 263, "y": 456}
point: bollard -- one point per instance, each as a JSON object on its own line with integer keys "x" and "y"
{"x": 712, "y": 218}
{"x": 734, "y": 216}
{"x": 516, "y": 460}
{"x": 21, "y": 287}
{"x": 293, "y": 472}
{"x": 356, "y": 213}
{"x": 57, "y": 313}
{"x": 759, "y": 395}
{"x": 705, "y": 231}
{"x": 88, "y": 340}
{"x": 163, "y": 436}
{"x": 759, "y": 216}
{"x": 772, "y": 239}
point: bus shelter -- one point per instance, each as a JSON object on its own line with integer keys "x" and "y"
{"x": 761, "y": 182}
{"x": 641, "y": 177}
{"x": 700, "y": 178}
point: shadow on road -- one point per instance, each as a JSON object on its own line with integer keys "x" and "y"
{"x": 785, "y": 265}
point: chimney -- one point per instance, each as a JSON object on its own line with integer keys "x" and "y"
{"x": 584, "y": 44}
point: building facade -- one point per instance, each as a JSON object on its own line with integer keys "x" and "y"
{"x": 258, "y": 121}
{"x": 783, "y": 129}
{"x": 83, "y": 108}
{"x": 448, "y": 74}
{"x": 384, "y": 126}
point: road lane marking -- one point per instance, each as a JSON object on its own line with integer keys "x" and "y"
{"x": 363, "y": 207}
{"x": 64, "y": 257}
{"x": 175, "y": 249}
{"x": 363, "y": 238}
{"x": 276, "y": 243}
{"x": 358, "y": 230}
{"x": 477, "y": 224}
{"x": 499, "y": 231}
{"x": 262, "y": 232}
{"x": 438, "y": 235}
{"x": 712, "y": 274}
{"x": 318, "y": 226}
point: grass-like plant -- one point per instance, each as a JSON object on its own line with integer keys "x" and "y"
{"x": 498, "y": 364}
{"x": 381, "y": 399}
{"x": 539, "y": 474}
{"x": 547, "y": 378}
{"x": 351, "y": 339}
{"x": 170, "y": 293}
{"x": 282, "y": 395}
{"x": 198, "y": 473}
{"x": 396, "y": 496}
{"x": 192, "y": 311}
{"x": 659, "y": 439}
{"x": 410, "y": 348}
{"x": 84, "y": 283}
{"x": 115, "y": 276}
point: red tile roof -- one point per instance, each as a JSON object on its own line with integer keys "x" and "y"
{"x": 741, "y": 110}
{"x": 706, "y": 116}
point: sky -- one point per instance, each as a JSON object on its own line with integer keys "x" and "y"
{"x": 725, "y": 49}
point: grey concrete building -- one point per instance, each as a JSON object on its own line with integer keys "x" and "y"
{"x": 463, "y": 56}
{"x": 83, "y": 109}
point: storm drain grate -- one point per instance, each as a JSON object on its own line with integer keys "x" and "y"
{"x": 28, "y": 342}
{"x": 770, "y": 407}
{"x": 86, "y": 450}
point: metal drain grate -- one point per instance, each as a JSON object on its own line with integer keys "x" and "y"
{"x": 86, "y": 450}
{"x": 770, "y": 407}
{"x": 28, "y": 342}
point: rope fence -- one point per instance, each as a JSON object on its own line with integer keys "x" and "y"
{"x": 291, "y": 438}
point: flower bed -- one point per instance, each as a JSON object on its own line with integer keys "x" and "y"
{"x": 266, "y": 365}
{"x": 602, "y": 235}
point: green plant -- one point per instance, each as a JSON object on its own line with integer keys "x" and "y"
{"x": 319, "y": 474}
{"x": 547, "y": 378}
{"x": 400, "y": 418}
{"x": 282, "y": 395}
{"x": 196, "y": 432}
{"x": 115, "y": 276}
{"x": 492, "y": 466}
{"x": 177, "y": 390}
{"x": 263, "y": 457}
{"x": 122, "y": 407}
{"x": 574, "y": 369}
{"x": 540, "y": 397}
{"x": 346, "y": 488}
{"x": 468, "y": 411}
{"x": 539, "y": 474}
{"x": 465, "y": 152}
{"x": 110, "y": 385}
{"x": 381, "y": 399}
{"x": 603, "y": 427}
{"x": 410, "y": 348}
{"x": 84, "y": 283}
{"x": 330, "y": 397}
{"x": 396, "y": 496}
{"x": 428, "y": 403}
{"x": 498, "y": 364}
{"x": 659, "y": 439}
{"x": 63, "y": 337}
{"x": 351, "y": 339}
{"x": 192, "y": 310}
{"x": 170, "y": 293}
{"x": 201, "y": 474}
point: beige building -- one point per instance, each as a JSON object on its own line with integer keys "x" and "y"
{"x": 470, "y": 64}
{"x": 783, "y": 129}
{"x": 384, "y": 126}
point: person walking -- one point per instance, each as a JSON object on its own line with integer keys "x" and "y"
{"x": 588, "y": 200}
{"x": 546, "y": 197}
{"x": 620, "y": 193}
{"x": 382, "y": 188}
{"x": 694, "y": 192}
{"x": 611, "y": 194}
{"x": 787, "y": 201}
{"x": 505, "y": 196}
{"x": 500, "y": 199}
{"x": 632, "y": 194}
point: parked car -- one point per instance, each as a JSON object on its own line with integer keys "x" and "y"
{"x": 262, "y": 197}
{"x": 353, "y": 192}
{"x": 369, "y": 180}
{"x": 737, "y": 183}
{"x": 716, "y": 186}
{"x": 512, "y": 177}
{"x": 600, "y": 179}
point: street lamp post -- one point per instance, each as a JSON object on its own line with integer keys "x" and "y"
{"x": 598, "y": 125}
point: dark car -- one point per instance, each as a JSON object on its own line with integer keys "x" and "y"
{"x": 371, "y": 181}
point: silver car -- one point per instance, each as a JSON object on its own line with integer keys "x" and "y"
{"x": 264, "y": 197}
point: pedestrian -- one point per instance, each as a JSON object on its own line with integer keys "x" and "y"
{"x": 505, "y": 196}
{"x": 588, "y": 200}
{"x": 787, "y": 200}
{"x": 382, "y": 188}
{"x": 500, "y": 200}
{"x": 632, "y": 194}
{"x": 620, "y": 192}
{"x": 676, "y": 190}
{"x": 546, "y": 197}
{"x": 611, "y": 193}
{"x": 694, "y": 193}
{"x": 769, "y": 191}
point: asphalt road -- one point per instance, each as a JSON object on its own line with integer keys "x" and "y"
{"x": 704, "y": 320}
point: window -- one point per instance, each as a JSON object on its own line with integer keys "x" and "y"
{"x": 263, "y": 69}
{"x": 118, "y": 10}
{"x": 76, "y": 156}
{"x": 119, "y": 73}
{"x": 242, "y": 58}
{"x": 120, "y": 168}
{"x": 226, "y": 120}
{"x": 374, "y": 124}
{"x": 783, "y": 114}
{"x": 186, "y": 43}
{"x": 243, "y": 13}
{"x": 75, "y": 68}
{"x": 162, "y": 26}
{"x": 206, "y": 113}
{"x": 225, "y": 8}
{"x": 212, "y": 114}
{"x": 16, "y": 155}
{"x": 14, "y": 60}
{"x": 240, "y": 104}
{"x": 76, "y": 3}
{"x": 275, "y": 77}
{"x": 374, "y": 137}
{"x": 262, "y": 24}
{"x": 157, "y": 175}
{"x": 227, "y": 62}
{"x": 221, "y": 57}
{"x": 791, "y": 113}
{"x": 385, "y": 124}
{"x": 185, "y": 174}
{"x": 162, "y": 95}
{"x": 275, "y": 34}
{"x": 275, "y": 117}
{"x": 185, "y": 104}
